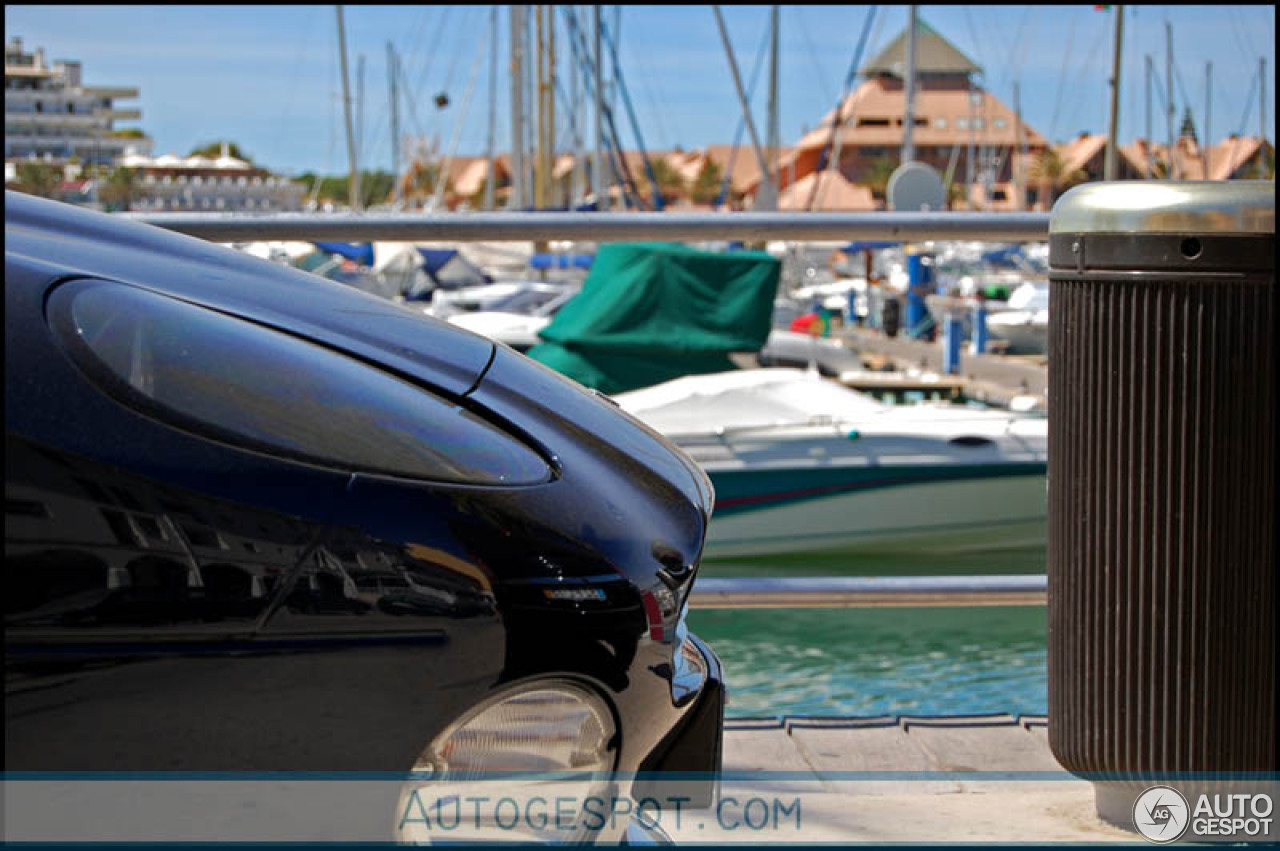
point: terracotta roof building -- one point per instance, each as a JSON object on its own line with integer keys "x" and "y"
{"x": 959, "y": 128}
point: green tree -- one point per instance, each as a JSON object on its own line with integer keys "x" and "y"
{"x": 670, "y": 183}
{"x": 214, "y": 150}
{"x": 40, "y": 179}
{"x": 876, "y": 177}
{"x": 1188, "y": 127}
{"x": 706, "y": 184}
{"x": 128, "y": 133}
{"x": 120, "y": 189}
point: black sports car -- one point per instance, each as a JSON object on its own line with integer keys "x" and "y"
{"x": 259, "y": 521}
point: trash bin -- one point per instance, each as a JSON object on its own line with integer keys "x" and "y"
{"x": 1162, "y": 591}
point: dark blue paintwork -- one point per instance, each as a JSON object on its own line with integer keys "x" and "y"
{"x": 179, "y": 602}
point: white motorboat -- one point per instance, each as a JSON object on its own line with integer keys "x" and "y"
{"x": 1025, "y": 322}
{"x": 802, "y": 465}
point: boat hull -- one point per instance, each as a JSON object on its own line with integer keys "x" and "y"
{"x": 992, "y": 521}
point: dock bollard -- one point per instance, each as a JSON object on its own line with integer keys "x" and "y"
{"x": 1161, "y": 568}
{"x": 919, "y": 285}
{"x": 980, "y": 333}
{"x": 952, "y": 341}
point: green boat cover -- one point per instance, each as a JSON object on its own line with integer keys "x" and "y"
{"x": 651, "y": 312}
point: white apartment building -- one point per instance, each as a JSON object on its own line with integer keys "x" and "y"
{"x": 50, "y": 115}
{"x": 224, "y": 183}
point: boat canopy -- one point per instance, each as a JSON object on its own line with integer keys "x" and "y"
{"x": 359, "y": 252}
{"x": 650, "y": 312}
{"x": 749, "y": 398}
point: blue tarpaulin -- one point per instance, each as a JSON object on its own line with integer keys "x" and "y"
{"x": 561, "y": 261}
{"x": 1010, "y": 257}
{"x": 435, "y": 258}
{"x": 360, "y": 252}
{"x": 855, "y": 247}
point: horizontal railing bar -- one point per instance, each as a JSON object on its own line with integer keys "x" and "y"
{"x": 845, "y": 592}
{"x": 604, "y": 227}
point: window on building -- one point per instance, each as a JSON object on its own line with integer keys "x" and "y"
{"x": 978, "y": 124}
{"x": 873, "y": 122}
{"x": 962, "y": 124}
{"x": 999, "y": 123}
{"x": 940, "y": 123}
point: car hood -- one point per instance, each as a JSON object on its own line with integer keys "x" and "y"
{"x": 88, "y": 244}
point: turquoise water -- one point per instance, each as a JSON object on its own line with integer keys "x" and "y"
{"x": 926, "y": 661}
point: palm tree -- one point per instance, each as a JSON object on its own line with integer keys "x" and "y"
{"x": 38, "y": 179}
{"x": 876, "y": 177}
{"x": 1052, "y": 175}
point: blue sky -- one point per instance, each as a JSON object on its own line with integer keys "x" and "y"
{"x": 267, "y": 76}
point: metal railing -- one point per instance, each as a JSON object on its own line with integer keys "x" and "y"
{"x": 604, "y": 227}
{"x": 850, "y": 592}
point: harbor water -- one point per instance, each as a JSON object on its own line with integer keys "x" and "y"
{"x": 884, "y": 661}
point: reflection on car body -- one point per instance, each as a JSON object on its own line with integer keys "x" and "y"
{"x": 259, "y": 521}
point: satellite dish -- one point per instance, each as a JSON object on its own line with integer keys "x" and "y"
{"x": 916, "y": 186}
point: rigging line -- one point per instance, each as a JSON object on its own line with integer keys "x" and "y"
{"x": 813, "y": 53}
{"x": 579, "y": 51}
{"x": 438, "y": 196}
{"x": 435, "y": 49}
{"x": 293, "y": 83}
{"x": 1098, "y": 40}
{"x": 631, "y": 114}
{"x": 1062, "y": 75}
{"x": 379, "y": 122}
{"x": 453, "y": 64}
{"x": 973, "y": 35}
{"x": 1020, "y": 48}
{"x": 1244, "y": 119}
{"x": 838, "y": 118}
{"x": 726, "y": 183}
{"x": 647, "y": 77}
{"x": 1246, "y": 40}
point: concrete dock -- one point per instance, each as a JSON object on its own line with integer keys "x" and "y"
{"x": 897, "y": 779}
{"x": 992, "y": 378}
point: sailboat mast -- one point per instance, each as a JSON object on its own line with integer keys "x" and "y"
{"x": 908, "y": 86}
{"x": 517, "y": 108}
{"x": 1020, "y": 191}
{"x": 493, "y": 106}
{"x": 1109, "y": 164}
{"x": 1262, "y": 118}
{"x": 600, "y": 183}
{"x": 353, "y": 179}
{"x": 1148, "y": 157}
{"x": 1207, "y": 147}
{"x": 359, "y": 112}
{"x": 1168, "y": 88}
{"x": 773, "y": 134}
{"x": 395, "y": 125}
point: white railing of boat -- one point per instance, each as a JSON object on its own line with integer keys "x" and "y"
{"x": 850, "y": 592}
{"x": 603, "y": 227}
{"x": 708, "y": 592}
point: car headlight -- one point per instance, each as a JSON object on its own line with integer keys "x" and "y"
{"x": 533, "y": 763}
{"x": 244, "y": 384}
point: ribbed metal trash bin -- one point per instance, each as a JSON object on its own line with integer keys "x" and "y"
{"x": 1162, "y": 591}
